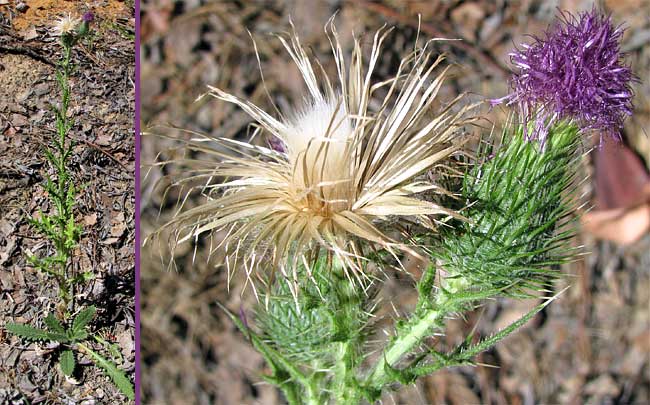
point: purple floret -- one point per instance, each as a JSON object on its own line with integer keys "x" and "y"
{"x": 575, "y": 72}
{"x": 277, "y": 144}
{"x": 88, "y": 17}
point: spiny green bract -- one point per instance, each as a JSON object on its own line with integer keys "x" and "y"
{"x": 329, "y": 308}
{"x": 519, "y": 203}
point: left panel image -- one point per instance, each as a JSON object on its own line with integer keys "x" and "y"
{"x": 67, "y": 205}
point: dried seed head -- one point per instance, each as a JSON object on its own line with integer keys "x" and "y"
{"x": 65, "y": 25}
{"x": 338, "y": 171}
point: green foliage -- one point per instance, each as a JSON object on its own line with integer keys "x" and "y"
{"x": 327, "y": 309}
{"x": 519, "y": 216}
{"x": 31, "y": 333}
{"x": 284, "y": 374}
{"x": 54, "y": 324}
{"x": 119, "y": 378}
{"x": 113, "y": 349}
{"x": 82, "y": 319}
{"x": 73, "y": 338}
{"x": 313, "y": 340}
{"x": 66, "y": 362}
{"x": 59, "y": 225}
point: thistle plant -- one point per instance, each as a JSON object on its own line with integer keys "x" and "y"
{"x": 366, "y": 173}
{"x": 61, "y": 228}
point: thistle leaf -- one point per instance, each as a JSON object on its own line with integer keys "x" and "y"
{"x": 53, "y": 324}
{"x": 117, "y": 375}
{"x": 31, "y": 333}
{"x": 81, "y": 320}
{"x": 466, "y": 353}
{"x": 27, "y": 332}
{"x": 67, "y": 362}
{"x": 280, "y": 366}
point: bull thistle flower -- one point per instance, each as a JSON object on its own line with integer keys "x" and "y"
{"x": 574, "y": 72}
{"x": 336, "y": 168}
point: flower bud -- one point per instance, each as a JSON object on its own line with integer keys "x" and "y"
{"x": 84, "y": 27}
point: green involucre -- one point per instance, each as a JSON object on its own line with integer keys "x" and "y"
{"x": 520, "y": 203}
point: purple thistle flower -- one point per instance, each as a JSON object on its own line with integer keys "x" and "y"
{"x": 88, "y": 17}
{"x": 575, "y": 72}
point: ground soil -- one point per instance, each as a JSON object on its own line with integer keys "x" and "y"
{"x": 592, "y": 345}
{"x": 43, "y": 12}
{"x": 102, "y": 164}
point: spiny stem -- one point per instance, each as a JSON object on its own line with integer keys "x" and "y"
{"x": 403, "y": 345}
{"x": 343, "y": 385}
{"x": 290, "y": 394}
{"x": 417, "y": 331}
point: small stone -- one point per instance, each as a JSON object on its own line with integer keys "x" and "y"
{"x": 71, "y": 380}
{"x": 90, "y": 220}
{"x": 18, "y": 120}
{"x": 22, "y": 7}
{"x": 467, "y": 19}
{"x": 602, "y": 386}
{"x": 38, "y": 116}
{"x": 42, "y": 89}
{"x": 16, "y": 108}
{"x": 24, "y": 95}
{"x": 30, "y": 34}
{"x": 117, "y": 230}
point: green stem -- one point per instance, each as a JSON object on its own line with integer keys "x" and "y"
{"x": 314, "y": 386}
{"x": 415, "y": 333}
{"x": 403, "y": 345}
{"x": 313, "y": 397}
{"x": 63, "y": 180}
{"x": 343, "y": 384}
{"x": 290, "y": 394}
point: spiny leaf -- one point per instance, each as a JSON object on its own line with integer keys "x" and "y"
{"x": 278, "y": 363}
{"x": 82, "y": 319}
{"x": 78, "y": 336}
{"x": 27, "y": 332}
{"x": 53, "y": 324}
{"x": 31, "y": 333}
{"x": 401, "y": 376}
{"x": 117, "y": 375}
{"x": 66, "y": 362}
{"x": 112, "y": 348}
{"x": 466, "y": 353}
